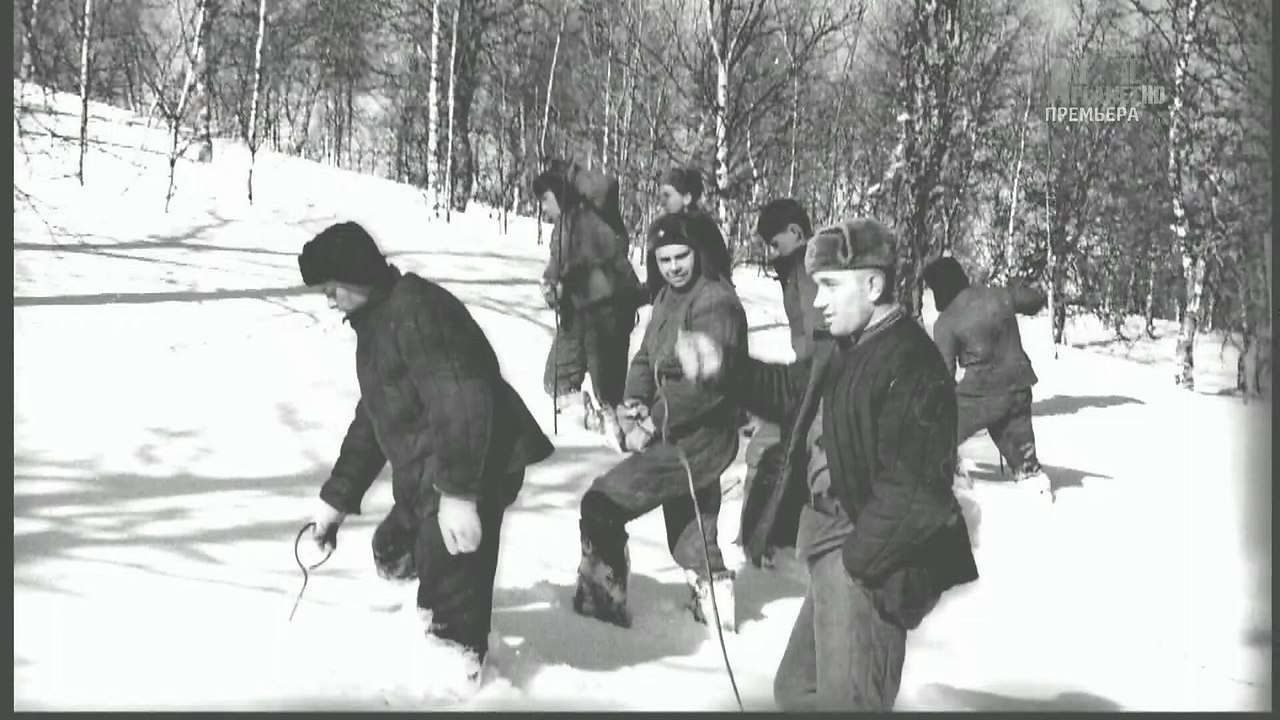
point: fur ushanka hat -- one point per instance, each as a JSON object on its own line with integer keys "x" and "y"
{"x": 853, "y": 244}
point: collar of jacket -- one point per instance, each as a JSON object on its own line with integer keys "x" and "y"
{"x": 376, "y": 299}
{"x": 784, "y": 264}
{"x": 896, "y": 313}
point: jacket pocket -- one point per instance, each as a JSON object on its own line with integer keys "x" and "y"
{"x": 906, "y": 597}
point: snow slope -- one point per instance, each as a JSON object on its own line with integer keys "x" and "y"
{"x": 178, "y": 399}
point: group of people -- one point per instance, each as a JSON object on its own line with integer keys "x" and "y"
{"x": 852, "y": 461}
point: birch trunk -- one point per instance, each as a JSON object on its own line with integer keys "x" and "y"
{"x": 720, "y": 51}
{"x": 175, "y": 116}
{"x": 257, "y": 89}
{"x": 631, "y": 98}
{"x": 448, "y": 151}
{"x": 28, "y": 42}
{"x": 1192, "y": 261}
{"x": 502, "y": 151}
{"x": 206, "y": 83}
{"x": 86, "y": 27}
{"x": 1010, "y": 247}
{"x": 551, "y": 80}
{"x": 608, "y": 92}
{"x": 433, "y": 111}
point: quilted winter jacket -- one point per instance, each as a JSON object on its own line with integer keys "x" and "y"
{"x": 708, "y": 306}
{"x": 979, "y": 330}
{"x": 434, "y": 404}
{"x": 889, "y": 424}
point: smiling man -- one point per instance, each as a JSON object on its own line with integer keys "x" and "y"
{"x": 877, "y": 412}
{"x": 680, "y": 193}
{"x": 697, "y": 421}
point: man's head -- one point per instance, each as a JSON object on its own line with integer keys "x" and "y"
{"x": 344, "y": 260}
{"x": 675, "y": 250}
{"x": 945, "y": 279}
{"x": 854, "y": 265}
{"x": 784, "y": 226}
{"x": 553, "y": 189}
{"x": 680, "y": 188}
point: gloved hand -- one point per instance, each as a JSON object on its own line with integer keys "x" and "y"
{"x": 327, "y": 519}
{"x": 550, "y": 293}
{"x": 459, "y": 524}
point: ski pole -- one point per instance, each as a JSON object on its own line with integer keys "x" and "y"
{"x": 306, "y": 570}
{"x": 697, "y": 515}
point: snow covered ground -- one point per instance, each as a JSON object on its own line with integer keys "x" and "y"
{"x": 178, "y": 400}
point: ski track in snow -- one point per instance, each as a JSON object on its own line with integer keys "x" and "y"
{"x": 178, "y": 400}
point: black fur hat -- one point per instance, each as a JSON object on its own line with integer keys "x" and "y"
{"x": 346, "y": 253}
{"x": 684, "y": 180}
{"x": 776, "y": 215}
{"x": 946, "y": 278}
{"x": 680, "y": 229}
{"x": 556, "y": 179}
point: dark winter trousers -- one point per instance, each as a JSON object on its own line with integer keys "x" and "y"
{"x": 655, "y": 478}
{"x": 458, "y": 589}
{"x": 842, "y": 655}
{"x": 594, "y": 339}
{"x": 1007, "y": 418}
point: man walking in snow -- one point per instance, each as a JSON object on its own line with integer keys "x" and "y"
{"x": 771, "y": 507}
{"x": 433, "y": 404}
{"x": 977, "y": 327}
{"x": 877, "y": 412}
{"x": 666, "y": 419}
{"x": 590, "y": 283}
{"x": 680, "y": 191}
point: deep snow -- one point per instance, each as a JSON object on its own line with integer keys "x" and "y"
{"x": 178, "y": 400}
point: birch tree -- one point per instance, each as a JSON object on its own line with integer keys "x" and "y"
{"x": 192, "y": 47}
{"x": 257, "y": 90}
{"x": 29, "y": 21}
{"x": 86, "y": 29}
{"x": 433, "y": 111}
{"x": 453, "y": 56}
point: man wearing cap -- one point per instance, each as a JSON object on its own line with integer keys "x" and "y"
{"x": 668, "y": 420}
{"x": 771, "y": 508}
{"x": 883, "y": 408}
{"x": 680, "y": 191}
{"x": 590, "y": 282}
{"x": 433, "y": 404}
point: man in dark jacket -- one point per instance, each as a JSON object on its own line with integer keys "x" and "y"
{"x": 771, "y": 507}
{"x": 977, "y": 328}
{"x": 877, "y": 410}
{"x": 680, "y": 190}
{"x": 433, "y": 404}
{"x": 666, "y": 419}
{"x": 590, "y": 283}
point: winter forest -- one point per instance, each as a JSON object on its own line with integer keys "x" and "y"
{"x": 933, "y": 115}
{"x": 183, "y": 393}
